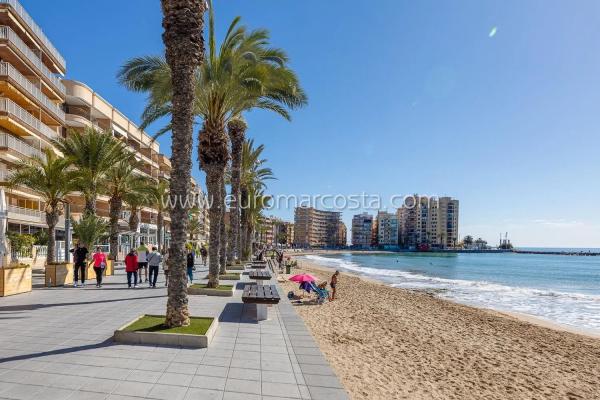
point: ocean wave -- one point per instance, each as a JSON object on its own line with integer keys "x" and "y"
{"x": 574, "y": 309}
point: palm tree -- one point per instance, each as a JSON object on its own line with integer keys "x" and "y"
{"x": 122, "y": 182}
{"x": 194, "y": 228}
{"x": 49, "y": 176}
{"x": 90, "y": 229}
{"x": 158, "y": 197}
{"x": 183, "y": 22}
{"x": 136, "y": 200}
{"x": 93, "y": 153}
{"x": 253, "y": 179}
{"x": 244, "y": 74}
{"x": 255, "y": 202}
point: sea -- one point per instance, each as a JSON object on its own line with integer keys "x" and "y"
{"x": 558, "y": 288}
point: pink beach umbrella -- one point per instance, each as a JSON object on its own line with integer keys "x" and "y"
{"x": 303, "y": 278}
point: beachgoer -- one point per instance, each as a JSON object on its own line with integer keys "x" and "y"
{"x": 79, "y": 262}
{"x": 142, "y": 253}
{"x": 333, "y": 284}
{"x": 165, "y": 264}
{"x": 203, "y": 254}
{"x": 99, "y": 265}
{"x": 190, "y": 266}
{"x": 131, "y": 267}
{"x": 154, "y": 259}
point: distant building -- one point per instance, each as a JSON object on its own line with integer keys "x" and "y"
{"x": 316, "y": 228}
{"x": 289, "y": 234}
{"x": 387, "y": 229}
{"x": 362, "y": 228}
{"x": 429, "y": 222}
{"x": 342, "y": 236}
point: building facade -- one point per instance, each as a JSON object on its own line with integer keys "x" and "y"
{"x": 362, "y": 227}
{"x": 342, "y": 235}
{"x": 387, "y": 229}
{"x": 316, "y": 228}
{"x": 428, "y": 222}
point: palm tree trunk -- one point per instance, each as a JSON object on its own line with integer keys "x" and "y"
{"x": 183, "y": 21}
{"x": 213, "y": 187}
{"x": 51, "y": 220}
{"x": 90, "y": 203}
{"x": 244, "y": 223}
{"x": 116, "y": 204}
{"x": 223, "y": 229}
{"x": 160, "y": 223}
{"x": 237, "y": 129}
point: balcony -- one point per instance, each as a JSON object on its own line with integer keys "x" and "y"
{"x": 26, "y": 214}
{"x": 21, "y": 147}
{"x": 16, "y": 112}
{"x": 7, "y": 70}
{"x": 50, "y": 49}
{"x": 7, "y": 34}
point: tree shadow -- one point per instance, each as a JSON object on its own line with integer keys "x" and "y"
{"x": 29, "y": 307}
{"x": 106, "y": 343}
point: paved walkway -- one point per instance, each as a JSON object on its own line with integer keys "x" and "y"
{"x": 56, "y": 344}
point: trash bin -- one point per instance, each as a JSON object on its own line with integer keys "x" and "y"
{"x": 288, "y": 269}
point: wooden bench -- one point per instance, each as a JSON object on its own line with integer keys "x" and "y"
{"x": 260, "y": 274}
{"x": 254, "y": 265}
{"x": 261, "y": 295}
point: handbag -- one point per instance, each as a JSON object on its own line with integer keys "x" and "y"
{"x": 102, "y": 265}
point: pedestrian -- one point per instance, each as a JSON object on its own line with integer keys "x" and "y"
{"x": 142, "y": 254}
{"x": 79, "y": 263}
{"x": 190, "y": 266}
{"x": 154, "y": 259}
{"x": 203, "y": 254}
{"x": 165, "y": 263}
{"x": 131, "y": 267}
{"x": 99, "y": 265}
{"x": 333, "y": 284}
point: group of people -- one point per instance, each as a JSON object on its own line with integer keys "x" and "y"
{"x": 142, "y": 265}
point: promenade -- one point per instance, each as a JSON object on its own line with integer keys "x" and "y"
{"x": 56, "y": 344}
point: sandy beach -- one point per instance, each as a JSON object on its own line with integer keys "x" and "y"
{"x": 389, "y": 343}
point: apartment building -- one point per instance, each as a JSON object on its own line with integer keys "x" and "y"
{"x": 342, "y": 235}
{"x": 316, "y": 228}
{"x": 428, "y": 222}
{"x": 387, "y": 229}
{"x": 31, "y": 115}
{"x": 362, "y": 227}
{"x": 289, "y": 234}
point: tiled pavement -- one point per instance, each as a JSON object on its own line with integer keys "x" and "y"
{"x": 56, "y": 344}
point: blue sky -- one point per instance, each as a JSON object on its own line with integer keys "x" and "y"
{"x": 405, "y": 97}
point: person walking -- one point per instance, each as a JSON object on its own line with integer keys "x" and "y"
{"x": 99, "y": 265}
{"x": 131, "y": 267}
{"x": 190, "y": 266}
{"x": 154, "y": 259}
{"x": 333, "y": 284}
{"x": 142, "y": 254}
{"x": 203, "y": 254}
{"x": 79, "y": 259}
{"x": 165, "y": 263}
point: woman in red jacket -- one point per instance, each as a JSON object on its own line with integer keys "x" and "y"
{"x": 99, "y": 265}
{"x": 131, "y": 267}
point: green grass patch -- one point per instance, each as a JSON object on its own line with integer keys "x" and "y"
{"x": 154, "y": 323}
{"x": 205, "y": 286}
{"x": 228, "y": 277}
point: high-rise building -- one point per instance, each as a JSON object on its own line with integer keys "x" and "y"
{"x": 342, "y": 235}
{"x": 387, "y": 229}
{"x": 362, "y": 227}
{"x": 316, "y": 228}
{"x": 431, "y": 222}
{"x": 289, "y": 226}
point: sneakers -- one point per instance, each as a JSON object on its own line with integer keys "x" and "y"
{"x": 135, "y": 286}
{"x": 83, "y": 284}
{"x": 75, "y": 284}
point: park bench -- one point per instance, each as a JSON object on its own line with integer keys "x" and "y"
{"x": 261, "y": 296}
{"x": 259, "y": 274}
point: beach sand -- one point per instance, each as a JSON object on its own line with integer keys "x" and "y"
{"x": 390, "y": 343}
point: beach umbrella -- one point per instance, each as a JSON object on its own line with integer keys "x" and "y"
{"x": 303, "y": 278}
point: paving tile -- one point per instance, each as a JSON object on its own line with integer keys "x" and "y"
{"x": 181, "y": 368}
{"x": 322, "y": 380}
{"x": 316, "y": 369}
{"x": 128, "y": 388}
{"x": 244, "y": 373}
{"x": 98, "y": 385}
{"x": 208, "y": 370}
{"x": 252, "y": 364}
{"x": 208, "y": 382}
{"x": 323, "y": 393}
{"x": 280, "y": 389}
{"x": 79, "y": 395}
{"x": 144, "y": 376}
{"x": 278, "y": 377}
{"x": 241, "y": 396}
{"x": 169, "y": 378}
{"x": 243, "y": 386}
{"x": 167, "y": 392}
{"x": 203, "y": 394}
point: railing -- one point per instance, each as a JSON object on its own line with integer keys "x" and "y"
{"x": 8, "y": 34}
{"x": 26, "y": 211}
{"x": 7, "y": 69}
{"x": 9, "y": 106}
{"x": 4, "y": 175}
{"x": 19, "y": 146}
{"x": 36, "y": 29}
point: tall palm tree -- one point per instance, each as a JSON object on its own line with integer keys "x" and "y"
{"x": 93, "y": 153}
{"x": 254, "y": 204}
{"x": 183, "y": 22}
{"x": 253, "y": 179}
{"x": 136, "y": 200}
{"x": 49, "y": 176}
{"x": 122, "y": 182}
{"x": 90, "y": 229}
{"x": 159, "y": 195}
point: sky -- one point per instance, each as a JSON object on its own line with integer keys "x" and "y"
{"x": 495, "y": 103}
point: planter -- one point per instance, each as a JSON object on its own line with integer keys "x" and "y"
{"x": 230, "y": 276}
{"x": 201, "y": 289}
{"x": 15, "y": 279}
{"x": 58, "y": 274}
{"x": 110, "y": 268}
{"x": 236, "y": 268}
{"x": 145, "y": 330}
{"x": 90, "y": 274}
